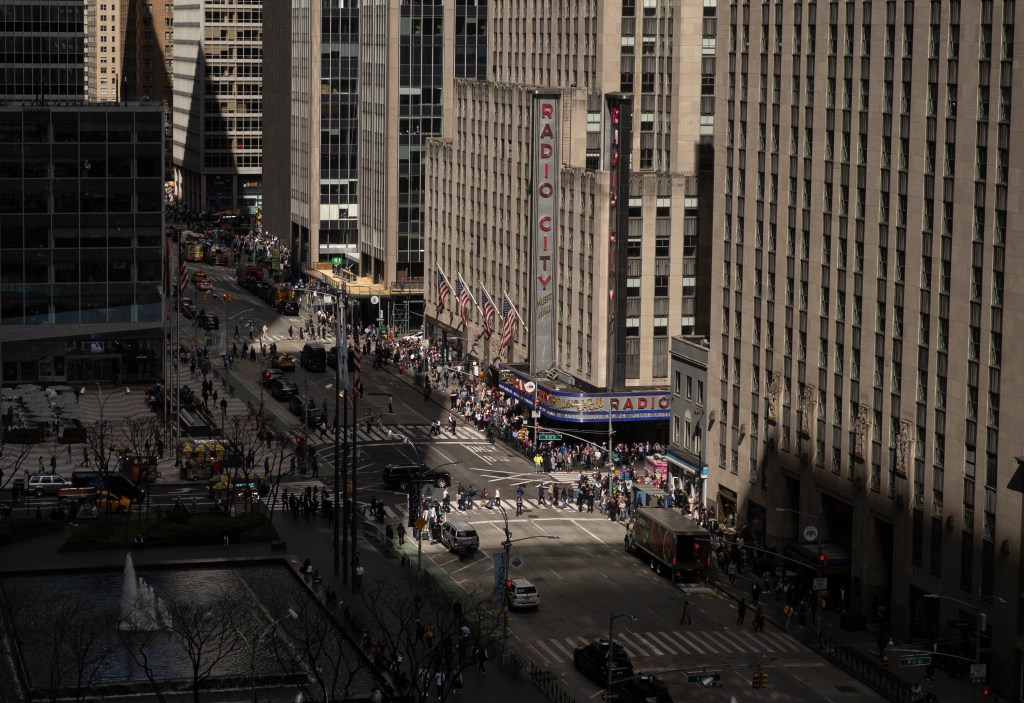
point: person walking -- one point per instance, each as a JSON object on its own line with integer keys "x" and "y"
{"x": 741, "y": 611}
{"x": 357, "y": 583}
{"x": 480, "y": 654}
{"x": 731, "y": 570}
{"x": 391, "y": 406}
{"x": 755, "y": 592}
{"x": 291, "y": 331}
{"x": 759, "y": 619}
{"x": 519, "y": 505}
{"x": 686, "y": 619}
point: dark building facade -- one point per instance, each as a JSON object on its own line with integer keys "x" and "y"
{"x": 42, "y": 50}
{"x": 81, "y": 243}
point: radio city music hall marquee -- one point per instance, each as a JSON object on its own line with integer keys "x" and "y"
{"x": 546, "y": 158}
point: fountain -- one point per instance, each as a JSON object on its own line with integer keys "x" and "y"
{"x": 141, "y": 609}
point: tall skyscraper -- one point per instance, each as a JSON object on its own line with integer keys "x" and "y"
{"x": 310, "y": 118}
{"x": 81, "y": 226}
{"x": 568, "y": 180}
{"x": 42, "y": 51}
{"x": 218, "y": 104}
{"x": 410, "y": 55}
{"x": 864, "y": 288}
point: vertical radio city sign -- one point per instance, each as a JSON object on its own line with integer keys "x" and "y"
{"x": 546, "y": 158}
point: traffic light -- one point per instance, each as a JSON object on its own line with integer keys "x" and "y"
{"x": 821, "y": 556}
{"x": 764, "y": 679}
{"x": 522, "y": 435}
{"x": 755, "y": 679}
{"x": 986, "y": 691}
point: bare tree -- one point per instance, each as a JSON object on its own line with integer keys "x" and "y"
{"x": 322, "y": 653}
{"x": 75, "y": 640}
{"x": 12, "y": 458}
{"x": 138, "y": 643}
{"x": 399, "y": 611}
{"x": 207, "y": 633}
{"x": 99, "y": 441}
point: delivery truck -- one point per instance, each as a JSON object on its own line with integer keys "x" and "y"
{"x": 673, "y": 544}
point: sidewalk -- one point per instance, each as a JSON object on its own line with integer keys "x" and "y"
{"x": 856, "y": 652}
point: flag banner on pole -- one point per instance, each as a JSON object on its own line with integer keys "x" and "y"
{"x": 182, "y": 274}
{"x": 488, "y": 314}
{"x": 508, "y": 325}
{"x": 356, "y": 360}
{"x": 462, "y": 293}
{"x": 442, "y": 292}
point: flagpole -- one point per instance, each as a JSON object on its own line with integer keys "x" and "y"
{"x": 355, "y": 414}
{"x": 337, "y": 441}
{"x": 471, "y": 297}
{"x": 343, "y": 388}
{"x": 487, "y": 339}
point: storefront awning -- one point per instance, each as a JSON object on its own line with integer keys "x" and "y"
{"x": 685, "y": 465}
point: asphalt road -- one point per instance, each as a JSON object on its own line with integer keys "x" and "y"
{"x": 584, "y": 577}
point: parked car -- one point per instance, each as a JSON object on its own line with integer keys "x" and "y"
{"x": 591, "y": 660}
{"x": 288, "y": 307}
{"x": 42, "y": 484}
{"x": 209, "y": 322}
{"x": 270, "y": 375}
{"x": 189, "y": 312}
{"x": 298, "y": 404}
{"x": 521, "y": 593}
{"x": 642, "y": 688}
{"x": 283, "y": 361}
{"x": 401, "y": 476}
{"x": 282, "y": 388}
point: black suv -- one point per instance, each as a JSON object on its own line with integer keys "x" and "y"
{"x": 288, "y": 307}
{"x": 209, "y": 322}
{"x": 402, "y": 476}
{"x": 592, "y": 661}
{"x": 642, "y": 688}
{"x": 282, "y": 388}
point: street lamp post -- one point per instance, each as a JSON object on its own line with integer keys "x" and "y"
{"x": 977, "y": 621}
{"x": 506, "y": 574}
{"x": 291, "y": 614}
{"x": 419, "y": 463}
{"x": 611, "y": 643}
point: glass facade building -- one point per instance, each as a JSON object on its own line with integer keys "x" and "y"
{"x": 81, "y": 231}
{"x": 42, "y": 50}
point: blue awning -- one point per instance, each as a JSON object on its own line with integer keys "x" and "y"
{"x": 683, "y": 464}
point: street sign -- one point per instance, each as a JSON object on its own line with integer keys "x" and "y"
{"x": 821, "y": 584}
{"x": 336, "y": 260}
{"x": 420, "y": 523}
{"x": 529, "y": 386}
{"x": 810, "y": 533}
{"x": 209, "y": 342}
{"x": 979, "y": 672}
{"x": 916, "y": 660}
{"x": 549, "y": 437}
{"x": 959, "y": 624}
{"x": 701, "y": 678}
{"x": 374, "y": 300}
{"x": 516, "y": 561}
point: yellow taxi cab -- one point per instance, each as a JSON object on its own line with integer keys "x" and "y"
{"x": 107, "y": 502}
{"x": 283, "y": 361}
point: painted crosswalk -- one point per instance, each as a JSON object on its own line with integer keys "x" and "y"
{"x": 672, "y": 643}
{"x": 378, "y": 433}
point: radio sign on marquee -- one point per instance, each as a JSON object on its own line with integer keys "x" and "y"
{"x": 546, "y": 135}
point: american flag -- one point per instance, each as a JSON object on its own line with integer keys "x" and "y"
{"x": 488, "y": 315}
{"x": 182, "y": 275}
{"x": 462, "y": 293}
{"x": 356, "y": 360}
{"x": 508, "y": 327}
{"x": 443, "y": 289}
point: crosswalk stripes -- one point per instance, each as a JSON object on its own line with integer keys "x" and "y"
{"x": 728, "y": 641}
{"x": 382, "y": 433}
